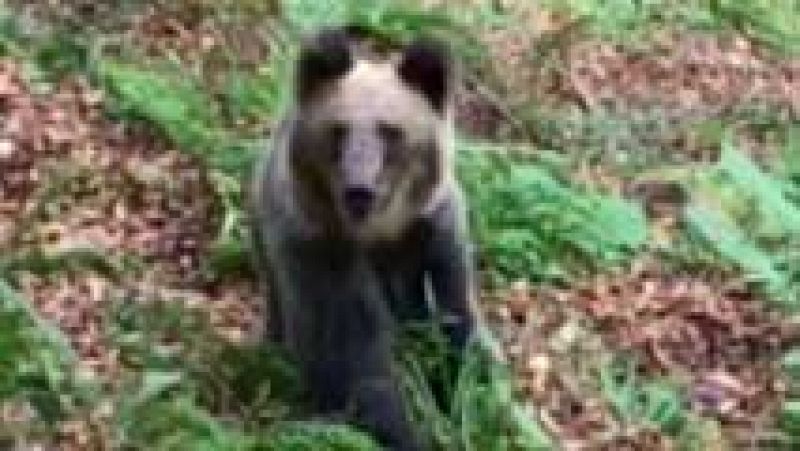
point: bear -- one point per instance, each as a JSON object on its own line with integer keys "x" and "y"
{"x": 359, "y": 223}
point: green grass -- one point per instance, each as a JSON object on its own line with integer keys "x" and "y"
{"x": 481, "y": 411}
{"x": 643, "y": 402}
{"x": 168, "y": 404}
{"x": 529, "y": 219}
{"x": 774, "y": 23}
{"x": 37, "y": 369}
{"x": 747, "y": 216}
{"x": 393, "y": 21}
{"x": 749, "y": 219}
{"x": 179, "y": 109}
{"x": 182, "y": 381}
{"x": 179, "y": 424}
{"x": 532, "y": 223}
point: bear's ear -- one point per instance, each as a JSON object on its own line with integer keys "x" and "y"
{"x": 426, "y": 65}
{"x": 323, "y": 58}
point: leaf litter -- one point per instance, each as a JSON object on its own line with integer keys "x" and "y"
{"x": 704, "y": 330}
{"x": 75, "y": 181}
{"x": 130, "y": 194}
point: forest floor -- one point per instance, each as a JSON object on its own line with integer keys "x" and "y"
{"x": 122, "y": 139}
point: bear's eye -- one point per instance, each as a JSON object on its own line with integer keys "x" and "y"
{"x": 336, "y": 133}
{"x": 392, "y": 134}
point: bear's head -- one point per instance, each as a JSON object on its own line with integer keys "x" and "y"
{"x": 372, "y": 132}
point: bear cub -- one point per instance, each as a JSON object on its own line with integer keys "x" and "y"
{"x": 360, "y": 225}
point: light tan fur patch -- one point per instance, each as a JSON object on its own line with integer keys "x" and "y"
{"x": 372, "y": 91}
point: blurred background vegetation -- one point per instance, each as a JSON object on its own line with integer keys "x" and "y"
{"x": 633, "y": 175}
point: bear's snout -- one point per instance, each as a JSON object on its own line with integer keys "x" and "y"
{"x": 358, "y": 200}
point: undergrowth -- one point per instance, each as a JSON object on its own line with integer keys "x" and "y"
{"x": 479, "y": 410}
{"x": 748, "y": 218}
{"x": 774, "y": 23}
{"x": 529, "y": 219}
{"x": 530, "y": 222}
{"x": 36, "y": 373}
{"x": 183, "y": 382}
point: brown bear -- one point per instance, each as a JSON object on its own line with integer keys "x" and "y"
{"x": 359, "y": 222}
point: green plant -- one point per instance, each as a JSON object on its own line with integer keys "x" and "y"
{"x": 531, "y": 223}
{"x": 791, "y": 364}
{"x": 183, "y": 381}
{"x": 775, "y": 23}
{"x": 174, "y": 425}
{"x": 393, "y": 21}
{"x": 790, "y": 421}
{"x": 179, "y": 109}
{"x": 478, "y": 411}
{"x": 189, "y": 118}
{"x": 749, "y": 219}
{"x": 10, "y": 34}
{"x": 636, "y": 401}
{"x": 298, "y": 436}
{"x": 39, "y": 262}
{"x": 384, "y": 17}
{"x": 37, "y": 367}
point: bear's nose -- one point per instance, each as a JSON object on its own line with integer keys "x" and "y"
{"x": 358, "y": 201}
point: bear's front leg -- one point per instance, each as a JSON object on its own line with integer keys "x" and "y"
{"x": 337, "y": 323}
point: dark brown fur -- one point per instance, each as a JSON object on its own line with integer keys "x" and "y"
{"x": 339, "y": 285}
